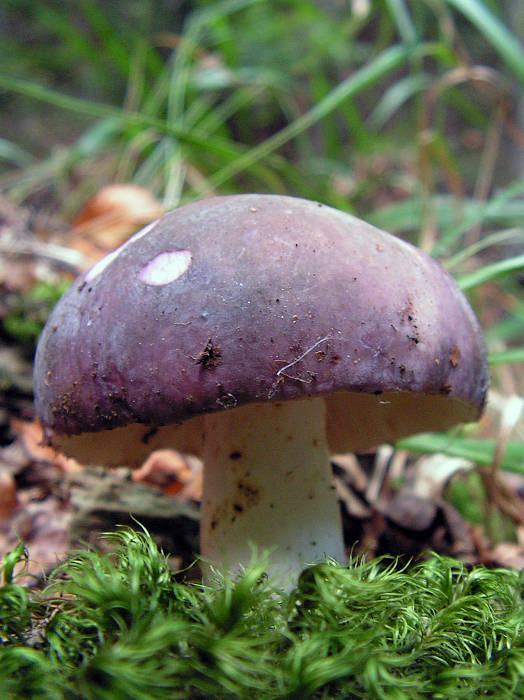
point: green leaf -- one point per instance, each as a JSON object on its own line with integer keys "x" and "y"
{"x": 476, "y": 450}
{"x": 506, "y": 357}
{"x": 495, "y": 32}
{"x": 503, "y": 268}
{"x": 389, "y": 60}
{"x": 454, "y": 216}
{"x": 403, "y": 20}
{"x": 14, "y": 153}
{"x": 395, "y": 96}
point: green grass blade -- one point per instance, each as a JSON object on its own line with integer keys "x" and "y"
{"x": 506, "y": 357}
{"x": 395, "y": 96}
{"x": 110, "y": 42}
{"x": 222, "y": 147}
{"x": 453, "y": 216}
{"x": 515, "y": 236}
{"x": 494, "y": 31}
{"x": 217, "y": 117}
{"x": 403, "y": 21}
{"x": 508, "y": 329}
{"x": 97, "y": 137}
{"x": 479, "y": 451}
{"x": 71, "y": 104}
{"x": 181, "y": 65}
{"x": 14, "y": 154}
{"x": 67, "y": 34}
{"x": 498, "y": 208}
{"x": 487, "y": 273}
{"x": 370, "y": 74}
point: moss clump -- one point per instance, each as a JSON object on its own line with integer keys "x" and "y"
{"x": 27, "y": 313}
{"x": 110, "y": 627}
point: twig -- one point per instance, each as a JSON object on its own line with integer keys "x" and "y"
{"x": 53, "y": 253}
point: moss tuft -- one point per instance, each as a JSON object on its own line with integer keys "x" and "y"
{"x": 122, "y": 626}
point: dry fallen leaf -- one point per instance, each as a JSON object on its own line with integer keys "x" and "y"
{"x": 32, "y": 437}
{"x": 173, "y": 473}
{"x": 8, "y": 495}
{"x": 43, "y": 526}
{"x": 509, "y": 555}
{"x": 112, "y": 215}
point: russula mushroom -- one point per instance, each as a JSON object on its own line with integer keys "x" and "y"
{"x": 261, "y": 333}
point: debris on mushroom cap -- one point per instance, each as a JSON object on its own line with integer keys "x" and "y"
{"x": 249, "y": 298}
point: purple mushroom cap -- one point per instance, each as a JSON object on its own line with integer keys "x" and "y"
{"x": 245, "y": 299}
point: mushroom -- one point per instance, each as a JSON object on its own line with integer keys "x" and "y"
{"x": 261, "y": 333}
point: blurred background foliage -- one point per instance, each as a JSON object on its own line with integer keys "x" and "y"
{"x": 359, "y": 104}
{"x": 408, "y": 114}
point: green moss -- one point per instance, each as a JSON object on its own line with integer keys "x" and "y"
{"x": 123, "y": 626}
{"x": 29, "y": 312}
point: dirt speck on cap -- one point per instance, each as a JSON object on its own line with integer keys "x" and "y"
{"x": 210, "y": 355}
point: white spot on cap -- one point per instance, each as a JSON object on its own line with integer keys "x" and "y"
{"x": 101, "y": 265}
{"x": 166, "y": 267}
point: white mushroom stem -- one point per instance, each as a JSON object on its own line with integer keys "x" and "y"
{"x": 268, "y": 486}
